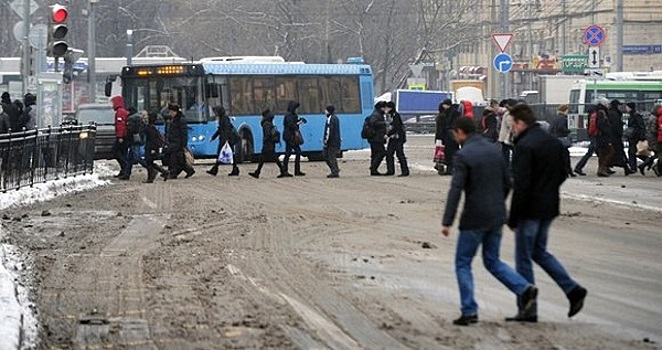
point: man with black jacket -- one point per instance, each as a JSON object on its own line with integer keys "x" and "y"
{"x": 153, "y": 144}
{"x": 293, "y": 139}
{"x": 224, "y": 133}
{"x": 377, "y": 138}
{"x": 176, "y": 142}
{"x": 397, "y": 136}
{"x": 448, "y": 112}
{"x": 332, "y": 141}
{"x": 270, "y": 137}
{"x": 538, "y": 169}
{"x": 604, "y": 139}
{"x": 616, "y": 121}
{"x": 480, "y": 172}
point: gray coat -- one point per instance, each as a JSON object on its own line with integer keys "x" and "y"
{"x": 479, "y": 171}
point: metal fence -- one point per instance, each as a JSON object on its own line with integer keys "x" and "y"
{"x": 41, "y": 155}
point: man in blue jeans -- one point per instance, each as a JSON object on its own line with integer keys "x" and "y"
{"x": 538, "y": 171}
{"x": 480, "y": 171}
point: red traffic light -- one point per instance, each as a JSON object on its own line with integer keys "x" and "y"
{"x": 60, "y": 14}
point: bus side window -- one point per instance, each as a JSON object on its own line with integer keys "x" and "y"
{"x": 350, "y": 95}
{"x": 264, "y": 92}
{"x": 242, "y": 96}
{"x": 309, "y": 94}
{"x": 286, "y": 90}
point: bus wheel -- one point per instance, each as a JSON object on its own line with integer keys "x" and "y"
{"x": 246, "y": 150}
{"x": 316, "y": 157}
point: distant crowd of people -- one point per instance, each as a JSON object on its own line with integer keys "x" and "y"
{"x": 17, "y": 115}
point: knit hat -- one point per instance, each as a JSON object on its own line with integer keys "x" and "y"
{"x": 173, "y": 107}
{"x": 331, "y": 109}
{"x": 632, "y": 105}
{"x": 447, "y": 102}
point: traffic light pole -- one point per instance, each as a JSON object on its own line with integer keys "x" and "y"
{"x": 26, "y": 46}
{"x": 91, "y": 53}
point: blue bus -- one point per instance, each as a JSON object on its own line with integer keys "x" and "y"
{"x": 245, "y": 89}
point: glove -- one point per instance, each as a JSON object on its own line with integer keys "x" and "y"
{"x": 304, "y": 121}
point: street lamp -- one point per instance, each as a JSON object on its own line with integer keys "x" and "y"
{"x": 129, "y": 46}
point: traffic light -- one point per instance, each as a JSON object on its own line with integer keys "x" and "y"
{"x": 57, "y": 31}
{"x": 70, "y": 58}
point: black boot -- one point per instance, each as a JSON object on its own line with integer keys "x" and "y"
{"x": 255, "y": 174}
{"x": 213, "y": 171}
{"x": 576, "y": 298}
{"x": 151, "y": 175}
{"x": 235, "y": 171}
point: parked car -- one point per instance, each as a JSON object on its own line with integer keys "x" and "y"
{"x": 103, "y": 116}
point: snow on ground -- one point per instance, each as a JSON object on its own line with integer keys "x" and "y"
{"x": 18, "y": 323}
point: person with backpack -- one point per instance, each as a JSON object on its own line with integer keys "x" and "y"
{"x": 134, "y": 131}
{"x": 374, "y": 130}
{"x": 225, "y": 132}
{"x": 270, "y": 137}
{"x": 397, "y": 136}
{"x": 293, "y": 139}
{"x": 154, "y": 143}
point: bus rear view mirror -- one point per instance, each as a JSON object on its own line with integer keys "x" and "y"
{"x": 211, "y": 90}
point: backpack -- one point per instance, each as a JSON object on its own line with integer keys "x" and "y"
{"x": 593, "y": 124}
{"x": 135, "y": 128}
{"x": 367, "y": 132}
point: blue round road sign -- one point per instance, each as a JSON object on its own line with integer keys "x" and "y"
{"x": 594, "y": 35}
{"x": 503, "y": 63}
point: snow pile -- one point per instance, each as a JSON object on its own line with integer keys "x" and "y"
{"x": 18, "y": 323}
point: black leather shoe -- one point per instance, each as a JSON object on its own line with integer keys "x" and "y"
{"x": 300, "y": 173}
{"x": 641, "y": 169}
{"x": 189, "y": 174}
{"x": 254, "y": 175}
{"x": 610, "y": 172}
{"x": 576, "y": 298}
{"x": 579, "y": 172}
{"x": 284, "y": 175}
{"x": 529, "y": 299}
{"x": 466, "y": 320}
{"x": 376, "y": 173}
{"x": 522, "y": 318}
{"x": 333, "y": 176}
{"x": 403, "y": 175}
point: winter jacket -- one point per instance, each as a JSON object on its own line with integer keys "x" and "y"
{"x": 479, "y": 171}
{"x": 153, "y": 140}
{"x": 378, "y": 126}
{"x": 121, "y": 115}
{"x": 659, "y": 126}
{"x": 616, "y": 124}
{"x": 445, "y": 120}
{"x": 468, "y": 109}
{"x": 397, "y": 130}
{"x": 539, "y": 169}
{"x": 4, "y": 122}
{"x": 637, "y": 124}
{"x": 268, "y": 127}
{"x": 226, "y": 132}
{"x": 332, "y": 132}
{"x": 506, "y": 131}
{"x": 605, "y": 135}
{"x": 291, "y": 122}
{"x": 489, "y": 124}
{"x": 177, "y": 137}
{"x": 559, "y": 127}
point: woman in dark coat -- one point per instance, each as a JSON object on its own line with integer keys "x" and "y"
{"x": 560, "y": 129}
{"x": 636, "y": 132}
{"x": 225, "y": 133}
{"x": 270, "y": 137}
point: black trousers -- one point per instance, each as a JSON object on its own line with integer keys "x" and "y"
{"x": 397, "y": 148}
{"x": 289, "y": 148}
{"x": 120, "y": 152}
{"x": 330, "y": 154}
{"x": 268, "y": 155}
{"x": 632, "y": 154}
{"x": 377, "y": 154}
{"x": 177, "y": 164}
{"x": 152, "y": 168}
{"x": 214, "y": 169}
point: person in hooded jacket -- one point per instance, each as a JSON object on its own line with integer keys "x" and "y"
{"x": 332, "y": 141}
{"x": 559, "y": 128}
{"x": 637, "y": 133}
{"x": 448, "y": 113}
{"x": 224, "y": 133}
{"x": 176, "y": 142}
{"x": 270, "y": 137}
{"x": 377, "y": 139}
{"x": 397, "y": 136}
{"x": 293, "y": 139}
{"x": 29, "y": 112}
{"x": 5, "y": 125}
{"x": 120, "y": 148}
{"x": 604, "y": 139}
{"x": 654, "y": 138}
{"x": 133, "y": 141}
{"x": 153, "y": 143}
{"x": 489, "y": 123}
{"x": 12, "y": 112}
{"x": 616, "y": 121}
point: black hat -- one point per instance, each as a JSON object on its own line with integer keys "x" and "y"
{"x": 616, "y": 103}
{"x": 331, "y": 109}
{"x": 447, "y": 102}
{"x": 380, "y": 104}
{"x": 219, "y": 110}
{"x": 632, "y": 105}
{"x": 174, "y": 107}
{"x": 390, "y": 104}
{"x": 5, "y": 97}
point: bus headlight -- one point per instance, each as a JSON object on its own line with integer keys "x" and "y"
{"x": 201, "y": 138}
{"x": 83, "y": 135}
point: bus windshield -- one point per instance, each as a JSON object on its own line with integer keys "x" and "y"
{"x": 155, "y": 93}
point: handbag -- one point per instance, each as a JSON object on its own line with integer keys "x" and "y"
{"x": 565, "y": 141}
{"x": 440, "y": 153}
{"x": 298, "y": 138}
{"x": 190, "y": 160}
{"x": 226, "y": 156}
{"x": 643, "y": 150}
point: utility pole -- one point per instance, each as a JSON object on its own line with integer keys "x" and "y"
{"x": 593, "y": 11}
{"x": 505, "y": 27}
{"x": 91, "y": 53}
{"x": 529, "y": 6}
{"x": 619, "y": 35}
{"x": 26, "y": 46}
{"x": 564, "y": 8}
{"x": 129, "y": 47}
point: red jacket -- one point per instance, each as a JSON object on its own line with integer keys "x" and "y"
{"x": 659, "y": 125}
{"x": 468, "y": 109}
{"x": 121, "y": 115}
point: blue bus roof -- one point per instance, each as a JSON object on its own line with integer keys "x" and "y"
{"x": 286, "y": 68}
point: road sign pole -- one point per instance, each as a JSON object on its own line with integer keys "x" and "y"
{"x": 505, "y": 18}
{"x": 26, "y": 45}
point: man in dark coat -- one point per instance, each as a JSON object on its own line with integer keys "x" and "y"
{"x": 293, "y": 139}
{"x": 377, "y": 138}
{"x": 13, "y": 114}
{"x": 448, "y": 112}
{"x": 332, "y": 141}
{"x": 604, "y": 140}
{"x": 397, "y": 136}
{"x": 270, "y": 137}
{"x": 637, "y": 133}
{"x": 480, "y": 172}
{"x": 538, "y": 169}
{"x": 153, "y": 143}
{"x": 225, "y": 132}
{"x": 5, "y": 124}
{"x": 616, "y": 122}
{"x": 176, "y": 142}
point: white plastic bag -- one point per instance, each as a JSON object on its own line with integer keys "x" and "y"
{"x": 226, "y": 156}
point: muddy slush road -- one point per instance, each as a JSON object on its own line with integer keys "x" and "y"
{"x": 316, "y": 263}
